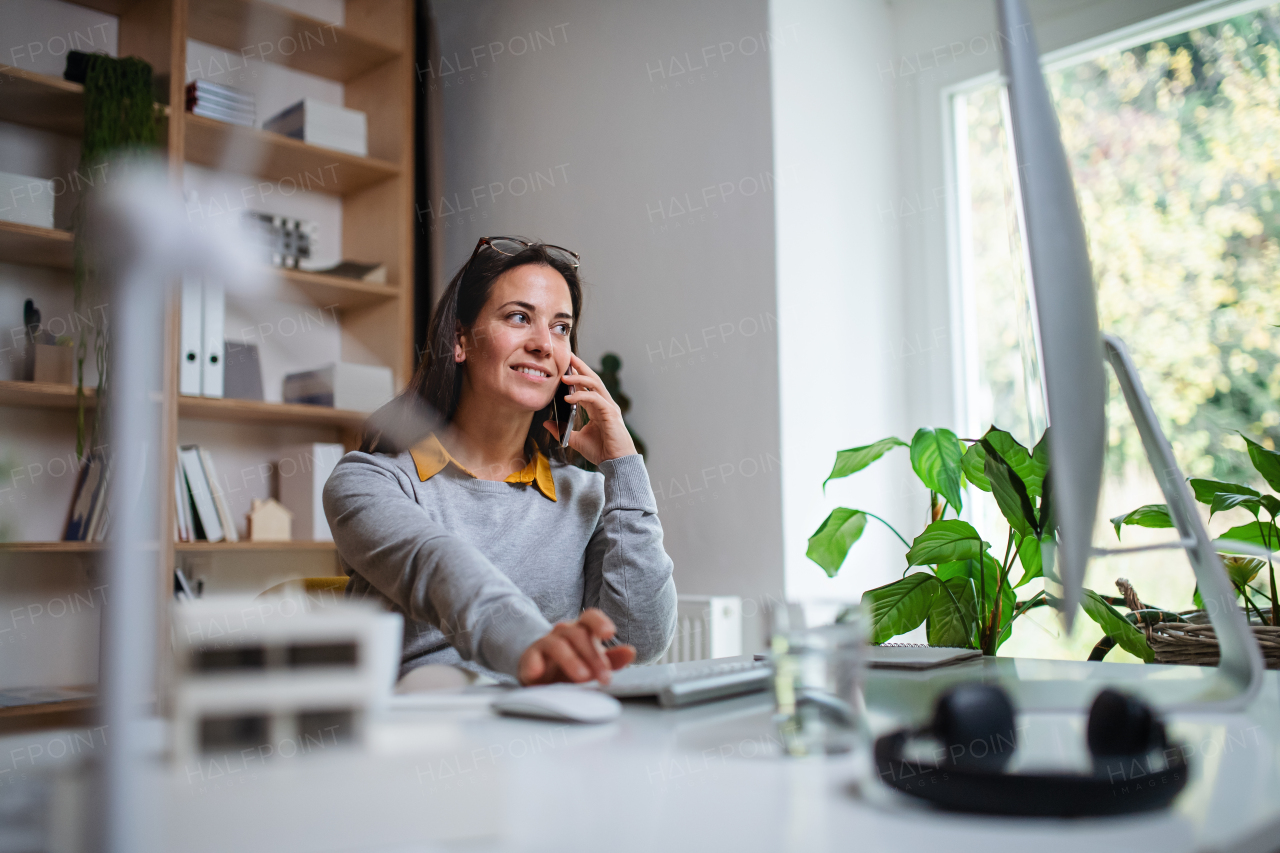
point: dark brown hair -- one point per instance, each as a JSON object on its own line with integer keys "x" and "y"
{"x": 431, "y": 397}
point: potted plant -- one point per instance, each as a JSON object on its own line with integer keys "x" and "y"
{"x": 120, "y": 116}
{"x": 963, "y": 594}
{"x": 1188, "y": 638}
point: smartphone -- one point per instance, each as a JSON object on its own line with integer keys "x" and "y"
{"x": 562, "y": 412}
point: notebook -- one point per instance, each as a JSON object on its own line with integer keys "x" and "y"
{"x": 917, "y": 657}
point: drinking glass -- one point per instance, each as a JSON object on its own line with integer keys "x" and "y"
{"x": 818, "y": 650}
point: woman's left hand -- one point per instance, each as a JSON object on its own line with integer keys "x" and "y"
{"x": 605, "y": 436}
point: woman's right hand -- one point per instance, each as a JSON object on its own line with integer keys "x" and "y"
{"x": 574, "y": 651}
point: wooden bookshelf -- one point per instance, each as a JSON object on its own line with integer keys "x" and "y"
{"x": 40, "y": 101}
{"x": 262, "y": 154}
{"x": 32, "y": 245}
{"x": 371, "y": 55}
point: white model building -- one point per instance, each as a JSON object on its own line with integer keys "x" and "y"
{"x": 278, "y": 675}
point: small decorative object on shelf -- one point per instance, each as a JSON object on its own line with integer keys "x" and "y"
{"x": 325, "y": 125}
{"x": 47, "y": 358}
{"x": 270, "y": 521}
{"x": 358, "y": 387}
{"x": 283, "y": 242}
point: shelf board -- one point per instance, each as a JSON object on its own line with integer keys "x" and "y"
{"x": 259, "y": 412}
{"x": 275, "y": 157}
{"x": 344, "y": 293}
{"x": 51, "y": 547}
{"x": 181, "y": 547}
{"x": 317, "y": 47}
{"x": 40, "y": 101}
{"x": 35, "y": 246}
{"x": 244, "y": 547}
{"x": 43, "y": 395}
{"x": 77, "y": 704}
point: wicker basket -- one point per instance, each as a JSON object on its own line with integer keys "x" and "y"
{"x": 1194, "y": 643}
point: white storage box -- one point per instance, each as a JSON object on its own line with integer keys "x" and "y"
{"x": 326, "y": 125}
{"x": 303, "y": 471}
{"x": 25, "y": 199}
{"x": 358, "y": 387}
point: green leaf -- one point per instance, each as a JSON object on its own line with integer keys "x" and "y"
{"x": 1224, "y": 501}
{"x": 1253, "y": 533}
{"x": 1116, "y": 626}
{"x": 854, "y": 459}
{"x": 1206, "y": 490}
{"x": 1010, "y": 492}
{"x": 1008, "y": 606}
{"x": 1267, "y": 462}
{"x": 944, "y": 541}
{"x": 1196, "y": 600}
{"x": 1272, "y": 505}
{"x": 1030, "y": 471}
{"x": 984, "y": 579}
{"x": 830, "y": 543}
{"x": 1040, "y": 460}
{"x": 972, "y": 465}
{"x": 953, "y": 618}
{"x": 935, "y": 456}
{"x": 1151, "y": 515}
{"x": 1029, "y": 557}
{"x": 901, "y": 606}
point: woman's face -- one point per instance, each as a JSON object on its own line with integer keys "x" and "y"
{"x": 518, "y": 347}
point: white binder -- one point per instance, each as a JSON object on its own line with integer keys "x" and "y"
{"x": 213, "y": 342}
{"x": 191, "y": 359}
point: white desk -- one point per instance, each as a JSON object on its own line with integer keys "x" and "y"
{"x": 703, "y": 778}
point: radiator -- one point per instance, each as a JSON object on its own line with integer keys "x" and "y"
{"x": 707, "y": 626}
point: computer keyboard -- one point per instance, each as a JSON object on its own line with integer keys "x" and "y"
{"x": 678, "y": 684}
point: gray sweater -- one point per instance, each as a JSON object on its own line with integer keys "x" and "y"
{"x": 480, "y": 569}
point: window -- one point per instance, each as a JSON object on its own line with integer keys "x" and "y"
{"x": 1173, "y": 148}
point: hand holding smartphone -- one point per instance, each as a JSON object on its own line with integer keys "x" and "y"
{"x": 563, "y": 412}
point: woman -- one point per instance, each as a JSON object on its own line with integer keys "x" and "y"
{"x": 480, "y": 533}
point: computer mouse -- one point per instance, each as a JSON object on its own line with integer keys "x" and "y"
{"x": 559, "y": 702}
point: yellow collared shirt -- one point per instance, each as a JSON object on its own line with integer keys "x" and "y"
{"x": 430, "y": 458}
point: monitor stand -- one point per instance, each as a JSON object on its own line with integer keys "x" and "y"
{"x": 1229, "y": 687}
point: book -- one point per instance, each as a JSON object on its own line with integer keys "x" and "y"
{"x": 219, "y": 114}
{"x": 242, "y": 373}
{"x": 230, "y": 94}
{"x": 182, "y": 502}
{"x": 206, "y": 514}
{"x": 98, "y": 515}
{"x": 89, "y": 499}
{"x": 219, "y": 501}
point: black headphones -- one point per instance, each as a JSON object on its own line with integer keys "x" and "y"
{"x": 1135, "y": 769}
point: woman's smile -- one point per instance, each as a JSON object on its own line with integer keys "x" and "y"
{"x": 537, "y": 374}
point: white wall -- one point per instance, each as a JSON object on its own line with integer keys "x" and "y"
{"x": 842, "y": 356}
{"x": 650, "y": 124}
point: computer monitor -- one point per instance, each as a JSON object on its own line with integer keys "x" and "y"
{"x": 1073, "y": 351}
